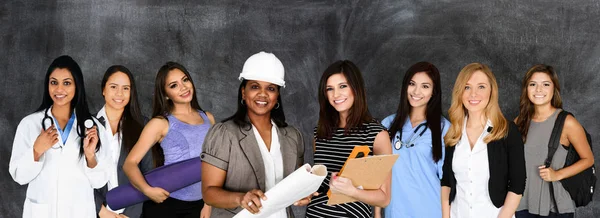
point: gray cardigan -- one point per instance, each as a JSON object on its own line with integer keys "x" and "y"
{"x": 234, "y": 149}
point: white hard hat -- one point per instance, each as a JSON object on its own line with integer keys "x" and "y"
{"x": 264, "y": 67}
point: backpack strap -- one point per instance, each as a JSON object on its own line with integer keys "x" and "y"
{"x": 555, "y": 136}
{"x": 552, "y": 146}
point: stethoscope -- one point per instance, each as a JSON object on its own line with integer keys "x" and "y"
{"x": 412, "y": 138}
{"x": 48, "y": 121}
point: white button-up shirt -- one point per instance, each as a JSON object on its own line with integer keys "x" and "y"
{"x": 472, "y": 173}
{"x": 114, "y": 147}
{"x": 273, "y": 162}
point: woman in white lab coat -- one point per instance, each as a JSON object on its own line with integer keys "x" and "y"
{"x": 55, "y": 154}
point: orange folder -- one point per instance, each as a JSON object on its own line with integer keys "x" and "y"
{"x": 366, "y": 172}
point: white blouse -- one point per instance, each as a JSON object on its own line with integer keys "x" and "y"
{"x": 273, "y": 161}
{"x": 115, "y": 152}
{"x": 472, "y": 173}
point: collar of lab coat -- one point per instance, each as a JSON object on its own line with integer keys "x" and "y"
{"x": 72, "y": 133}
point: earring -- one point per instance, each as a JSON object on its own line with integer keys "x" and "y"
{"x": 242, "y": 102}
{"x": 167, "y": 98}
{"x": 277, "y": 105}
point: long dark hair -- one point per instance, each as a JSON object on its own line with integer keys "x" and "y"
{"x": 329, "y": 118}
{"x": 132, "y": 122}
{"x": 526, "y": 108}
{"x": 78, "y": 104}
{"x": 161, "y": 107}
{"x": 433, "y": 112}
{"x": 240, "y": 116}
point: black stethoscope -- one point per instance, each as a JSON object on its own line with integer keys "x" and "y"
{"x": 50, "y": 121}
{"x": 412, "y": 138}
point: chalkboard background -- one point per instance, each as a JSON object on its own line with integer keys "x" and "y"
{"x": 213, "y": 39}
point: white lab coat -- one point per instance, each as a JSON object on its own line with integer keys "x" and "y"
{"x": 60, "y": 183}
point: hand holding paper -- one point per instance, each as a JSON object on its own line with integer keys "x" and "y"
{"x": 252, "y": 200}
{"x": 305, "y": 201}
{"x": 299, "y": 184}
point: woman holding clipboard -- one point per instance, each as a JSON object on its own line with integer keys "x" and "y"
{"x": 345, "y": 122}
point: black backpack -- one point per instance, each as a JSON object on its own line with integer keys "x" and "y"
{"x": 581, "y": 186}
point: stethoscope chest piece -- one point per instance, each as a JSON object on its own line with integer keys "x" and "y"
{"x": 411, "y": 139}
{"x": 88, "y": 123}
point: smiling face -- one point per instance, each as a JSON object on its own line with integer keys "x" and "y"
{"x": 117, "y": 91}
{"x": 419, "y": 90}
{"x": 476, "y": 95}
{"x": 178, "y": 87}
{"x": 339, "y": 93}
{"x": 61, "y": 87}
{"x": 540, "y": 89}
{"x": 260, "y": 97}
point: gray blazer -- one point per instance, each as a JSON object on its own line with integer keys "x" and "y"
{"x": 234, "y": 149}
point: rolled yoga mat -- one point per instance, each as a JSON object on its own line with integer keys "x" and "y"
{"x": 171, "y": 178}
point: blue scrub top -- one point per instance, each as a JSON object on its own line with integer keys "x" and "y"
{"x": 415, "y": 176}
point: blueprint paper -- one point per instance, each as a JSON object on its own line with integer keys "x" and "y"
{"x": 299, "y": 184}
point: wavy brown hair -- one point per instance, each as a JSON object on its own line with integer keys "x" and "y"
{"x": 457, "y": 111}
{"x": 329, "y": 118}
{"x": 526, "y": 108}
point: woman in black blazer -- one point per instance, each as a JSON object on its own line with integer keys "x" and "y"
{"x": 484, "y": 169}
{"x": 123, "y": 121}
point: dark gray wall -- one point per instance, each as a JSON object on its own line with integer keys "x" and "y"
{"x": 213, "y": 39}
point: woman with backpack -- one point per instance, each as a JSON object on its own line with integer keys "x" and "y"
{"x": 540, "y": 105}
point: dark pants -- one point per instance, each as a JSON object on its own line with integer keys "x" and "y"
{"x": 172, "y": 208}
{"x": 526, "y": 214}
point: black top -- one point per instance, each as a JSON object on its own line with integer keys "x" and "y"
{"x": 507, "y": 167}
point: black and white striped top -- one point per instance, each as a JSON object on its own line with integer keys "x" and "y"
{"x": 333, "y": 154}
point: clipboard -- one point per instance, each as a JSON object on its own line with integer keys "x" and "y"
{"x": 367, "y": 172}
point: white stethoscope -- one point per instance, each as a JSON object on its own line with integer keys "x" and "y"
{"x": 47, "y": 121}
{"x": 411, "y": 139}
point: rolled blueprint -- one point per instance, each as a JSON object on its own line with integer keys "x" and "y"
{"x": 170, "y": 177}
{"x": 299, "y": 184}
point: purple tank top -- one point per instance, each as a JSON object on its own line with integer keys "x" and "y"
{"x": 184, "y": 141}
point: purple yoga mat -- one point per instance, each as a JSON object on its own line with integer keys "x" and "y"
{"x": 171, "y": 178}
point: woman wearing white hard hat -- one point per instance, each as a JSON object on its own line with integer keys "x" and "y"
{"x": 251, "y": 151}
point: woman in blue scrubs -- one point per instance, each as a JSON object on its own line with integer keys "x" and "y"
{"x": 417, "y": 132}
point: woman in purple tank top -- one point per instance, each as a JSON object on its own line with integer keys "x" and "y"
{"x": 179, "y": 125}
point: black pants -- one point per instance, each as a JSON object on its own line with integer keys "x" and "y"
{"x": 172, "y": 208}
{"x": 526, "y": 214}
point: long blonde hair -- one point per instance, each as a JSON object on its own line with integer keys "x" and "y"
{"x": 457, "y": 111}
